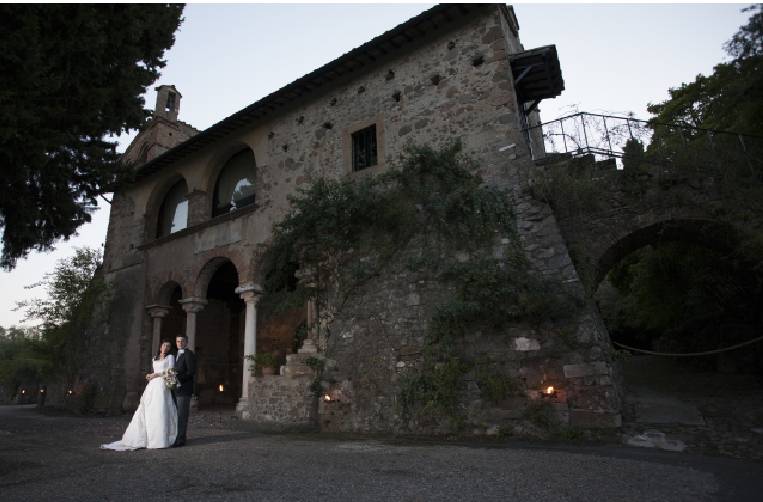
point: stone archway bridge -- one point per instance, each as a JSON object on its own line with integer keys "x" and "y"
{"x": 609, "y": 197}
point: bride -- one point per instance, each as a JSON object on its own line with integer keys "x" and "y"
{"x": 154, "y": 424}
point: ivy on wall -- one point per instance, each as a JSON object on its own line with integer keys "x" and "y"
{"x": 341, "y": 234}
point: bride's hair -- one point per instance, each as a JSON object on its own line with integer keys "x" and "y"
{"x": 159, "y": 350}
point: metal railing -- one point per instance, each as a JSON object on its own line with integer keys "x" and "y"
{"x": 606, "y": 137}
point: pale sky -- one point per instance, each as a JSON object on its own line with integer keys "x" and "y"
{"x": 614, "y": 59}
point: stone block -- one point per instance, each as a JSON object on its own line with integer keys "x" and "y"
{"x": 413, "y": 300}
{"x": 525, "y": 344}
{"x": 583, "y": 370}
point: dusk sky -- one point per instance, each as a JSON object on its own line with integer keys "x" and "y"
{"x": 614, "y": 58}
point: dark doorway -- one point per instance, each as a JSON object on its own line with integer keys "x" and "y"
{"x": 174, "y": 324}
{"x": 220, "y": 341}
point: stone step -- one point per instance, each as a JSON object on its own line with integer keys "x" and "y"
{"x": 297, "y": 370}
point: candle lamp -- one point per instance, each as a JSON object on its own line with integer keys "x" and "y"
{"x": 549, "y": 391}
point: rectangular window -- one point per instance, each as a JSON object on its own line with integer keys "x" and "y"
{"x": 364, "y": 148}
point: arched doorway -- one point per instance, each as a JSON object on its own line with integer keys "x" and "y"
{"x": 174, "y": 323}
{"x": 688, "y": 288}
{"x": 220, "y": 340}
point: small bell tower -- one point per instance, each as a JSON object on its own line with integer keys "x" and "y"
{"x": 167, "y": 102}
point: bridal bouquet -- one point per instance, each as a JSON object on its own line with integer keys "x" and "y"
{"x": 170, "y": 378}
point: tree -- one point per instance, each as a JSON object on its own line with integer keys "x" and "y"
{"x": 731, "y": 98}
{"x": 66, "y": 288}
{"x": 682, "y": 297}
{"x": 70, "y": 76}
{"x": 74, "y": 289}
{"x": 21, "y": 358}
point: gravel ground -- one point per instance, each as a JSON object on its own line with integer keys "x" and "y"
{"x": 56, "y": 457}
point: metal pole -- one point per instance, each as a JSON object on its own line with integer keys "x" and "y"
{"x": 564, "y": 137}
{"x": 606, "y": 132}
{"x": 585, "y": 135}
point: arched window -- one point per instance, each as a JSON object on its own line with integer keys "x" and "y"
{"x": 235, "y": 185}
{"x": 173, "y": 215}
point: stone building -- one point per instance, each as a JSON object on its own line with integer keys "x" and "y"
{"x": 185, "y": 236}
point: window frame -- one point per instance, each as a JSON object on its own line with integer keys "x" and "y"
{"x": 347, "y": 146}
{"x": 215, "y": 211}
{"x": 365, "y": 143}
{"x": 162, "y": 210}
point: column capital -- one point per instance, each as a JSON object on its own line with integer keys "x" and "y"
{"x": 158, "y": 311}
{"x": 249, "y": 292}
{"x": 193, "y": 304}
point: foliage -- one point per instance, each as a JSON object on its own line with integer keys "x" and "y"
{"x": 568, "y": 188}
{"x": 731, "y": 98}
{"x": 340, "y": 234}
{"x": 681, "y": 297}
{"x": 495, "y": 386}
{"x": 318, "y": 364}
{"x": 541, "y": 414}
{"x": 70, "y": 75}
{"x": 634, "y": 156}
{"x": 493, "y": 294}
{"x": 21, "y": 357}
{"x": 679, "y": 294}
{"x": 748, "y": 41}
{"x": 432, "y": 394}
{"x": 74, "y": 292}
{"x": 65, "y": 288}
{"x": 264, "y": 359}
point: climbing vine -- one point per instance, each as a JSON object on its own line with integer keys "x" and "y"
{"x": 341, "y": 234}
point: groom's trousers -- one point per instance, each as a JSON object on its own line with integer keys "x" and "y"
{"x": 184, "y": 405}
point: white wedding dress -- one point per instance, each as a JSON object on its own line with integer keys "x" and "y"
{"x": 154, "y": 424}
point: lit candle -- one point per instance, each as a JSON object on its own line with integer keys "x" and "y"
{"x": 221, "y": 388}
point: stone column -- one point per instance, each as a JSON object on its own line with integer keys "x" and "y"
{"x": 250, "y": 293}
{"x": 192, "y": 306}
{"x": 157, "y": 313}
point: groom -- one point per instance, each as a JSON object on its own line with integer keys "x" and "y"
{"x": 185, "y": 365}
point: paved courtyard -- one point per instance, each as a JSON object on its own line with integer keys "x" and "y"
{"x": 56, "y": 457}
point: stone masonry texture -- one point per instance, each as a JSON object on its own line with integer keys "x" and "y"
{"x": 453, "y": 84}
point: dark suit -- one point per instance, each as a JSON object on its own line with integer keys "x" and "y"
{"x": 185, "y": 366}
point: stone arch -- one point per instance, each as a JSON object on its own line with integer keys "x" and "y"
{"x": 216, "y": 165}
{"x": 164, "y": 294}
{"x": 155, "y": 200}
{"x": 208, "y": 270}
{"x": 219, "y": 333}
{"x": 716, "y": 235}
{"x": 168, "y": 313}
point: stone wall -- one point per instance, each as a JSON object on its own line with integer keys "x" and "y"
{"x": 282, "y": 402}
{"x": 378, "y": 339}
{"x": 455, "y": 85}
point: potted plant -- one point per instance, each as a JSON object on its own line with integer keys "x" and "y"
{"x": 266, "y": 361}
